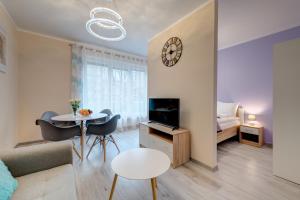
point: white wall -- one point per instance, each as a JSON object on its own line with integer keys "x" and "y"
{"x": 45, "y": 81}
{"x": 9, "y": 85}
{"x": 286, "y": 120}
{"x": 192, "y": 79}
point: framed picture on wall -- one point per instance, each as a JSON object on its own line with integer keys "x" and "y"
{"x": 3, "y": 50}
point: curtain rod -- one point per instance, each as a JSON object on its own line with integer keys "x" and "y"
{"x": 108, "y": 50}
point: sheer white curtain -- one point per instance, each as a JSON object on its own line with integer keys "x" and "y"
{"x": 116, "y": 81}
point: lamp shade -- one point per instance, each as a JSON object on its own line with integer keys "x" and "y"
{"x": 251, "y": 117}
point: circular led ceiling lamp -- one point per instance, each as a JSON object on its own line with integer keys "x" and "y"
{"x": 104, "y": 23}
{"x": 98, "y": 10}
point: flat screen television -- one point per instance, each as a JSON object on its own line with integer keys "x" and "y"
{"x": 164, "y": 111}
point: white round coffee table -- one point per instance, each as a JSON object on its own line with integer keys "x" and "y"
{"x": 140, "y": 164}
{"x": 78, "y": 117}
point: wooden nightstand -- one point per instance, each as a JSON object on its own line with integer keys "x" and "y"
{"x": 252, "y": 135}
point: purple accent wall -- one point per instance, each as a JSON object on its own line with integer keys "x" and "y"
{"x": 245, "y": 76}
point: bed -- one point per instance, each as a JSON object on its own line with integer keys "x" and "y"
{"x": 229, "y": 118}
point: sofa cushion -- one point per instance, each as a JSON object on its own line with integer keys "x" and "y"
{"x": 55, "y": 183}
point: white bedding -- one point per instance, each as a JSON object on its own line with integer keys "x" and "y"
{"x": 228, "y": 122}
{"x": 226, "y": 109}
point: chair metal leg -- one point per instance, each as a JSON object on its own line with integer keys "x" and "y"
{"x": 87, "y": 141}
{"x": 104, "y": 148}
{"x": 114, "y": 141}
{"x": 103, "y": 141}
{"x": 75, "y": 150}
{"x": 94, "y": 143}
{"x": 82, "y": 140}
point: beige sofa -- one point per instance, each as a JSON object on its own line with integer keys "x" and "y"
{"x": 44, "y": 171}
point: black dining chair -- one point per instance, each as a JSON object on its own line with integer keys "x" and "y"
{"x": 100, "y": 120}
{"x": 49, "y": 114}
{"x": 103, "y": 133}
{"x": 57, "y": 132}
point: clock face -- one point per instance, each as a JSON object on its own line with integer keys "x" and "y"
{"x": 171, "y": 51}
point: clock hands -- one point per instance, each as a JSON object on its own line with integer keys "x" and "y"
{"x": 172, "y": 51}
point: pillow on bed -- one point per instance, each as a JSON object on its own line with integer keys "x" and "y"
{"x": 226, "y": 109}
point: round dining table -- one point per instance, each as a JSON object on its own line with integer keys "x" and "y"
{"x": 81, "y": 119}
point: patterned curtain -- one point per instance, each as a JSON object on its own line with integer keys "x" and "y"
{"x": 77, "y": 72}
{"x": 107, "y": 79}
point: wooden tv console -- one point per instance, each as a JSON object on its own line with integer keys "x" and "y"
{"x": 175, "y": 143}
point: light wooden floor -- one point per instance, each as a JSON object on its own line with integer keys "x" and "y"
{"x": 244, "y": 173}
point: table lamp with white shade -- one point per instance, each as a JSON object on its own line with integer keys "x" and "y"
{"x": 252, "y": 119}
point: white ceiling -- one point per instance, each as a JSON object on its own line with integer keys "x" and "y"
{"x": 244, "y": 20}
{"x": 67, "y": 18}
{"x": 239, "y": 20}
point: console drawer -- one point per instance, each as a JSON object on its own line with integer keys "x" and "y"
{"x": 250, "y": 130}
{"x": 161, "y": 145}
{"x": 144, "y": 128}
{"x": 144, "y": 136}
{"x": 174, "y": 143}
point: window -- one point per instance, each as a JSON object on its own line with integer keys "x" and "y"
{"x": 117, "y": 85}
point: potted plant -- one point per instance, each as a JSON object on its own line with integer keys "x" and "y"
{"x": 75, "y": 104}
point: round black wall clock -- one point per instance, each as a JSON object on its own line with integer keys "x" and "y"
{"x": 171, "y": 51}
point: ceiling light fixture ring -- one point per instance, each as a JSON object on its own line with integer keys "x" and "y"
{"x": 110, "y": 24}
{"x": 111, "y": 12}
{"x": 113, "y": 22}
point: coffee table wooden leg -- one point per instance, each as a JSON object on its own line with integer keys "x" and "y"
{"x": 155, "y": 181}
{"x": 153, "y": 188}
{"x": 82, "y": 141}
{"x": 113, "y": 187}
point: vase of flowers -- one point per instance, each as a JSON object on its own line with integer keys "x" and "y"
{"x": 75, "y": 104}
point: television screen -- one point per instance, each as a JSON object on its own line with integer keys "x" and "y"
{"x": 164, "y": 111}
